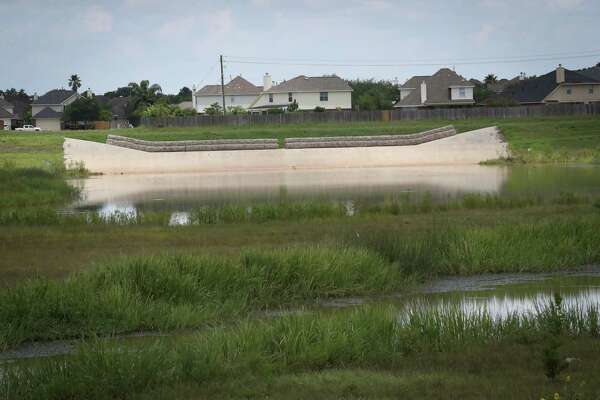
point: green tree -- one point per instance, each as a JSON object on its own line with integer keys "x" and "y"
{"x": 293, "y": 107}
{"x": 74, "y": 82}
{"x": 83, "y": 109}
{"x": 124, "y": 91}
{"x": 490, "y": 79}
{"x": 144, "y": 92}
{"x": 373, "y": 95}
{"x": 214, "y": 109}
{"x": 236, "y": 110}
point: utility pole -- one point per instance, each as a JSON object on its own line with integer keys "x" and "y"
{"x": 222, "y": 83}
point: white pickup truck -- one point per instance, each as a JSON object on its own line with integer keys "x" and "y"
{"x": 29, "y": 128}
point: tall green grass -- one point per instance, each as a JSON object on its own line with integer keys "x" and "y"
{"x": 32, "y": 187}
{"x": 498, "y": 248}
{"x": 174, "y": 292}
{"x": 237, "y": 213}
{"x": 369, "y": 337}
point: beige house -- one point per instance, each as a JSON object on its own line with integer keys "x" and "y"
{"x": 47, "y": 110}
{"x": 238, "y": 93}
{"x": 559, "y": 86}
{"x": 442, "y": 89}
{"x": 309, "y": 92}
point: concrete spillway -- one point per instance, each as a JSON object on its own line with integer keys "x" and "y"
{"x": 466, "y": 148}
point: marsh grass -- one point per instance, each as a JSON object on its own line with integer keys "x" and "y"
{"x": 240, "y": 213}
{"x": 182, "y": 291}
{"x": 499, "y": 248}
{"x": 174, "y": 292}
{"x": 372, "y": 337}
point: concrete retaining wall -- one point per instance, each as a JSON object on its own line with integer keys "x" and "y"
{"x": 370, "y": 141}
{"x": 465, "y": 148}
{"x": 192, "y": 145}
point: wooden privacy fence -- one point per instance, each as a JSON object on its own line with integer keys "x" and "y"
{"x": 538, "y": 110}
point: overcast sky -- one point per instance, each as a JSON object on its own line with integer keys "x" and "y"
{"x": 176, "y": 43}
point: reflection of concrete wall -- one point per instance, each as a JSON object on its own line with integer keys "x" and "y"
{"x": 467, "y": 148}
{"x": 331, "y": 183}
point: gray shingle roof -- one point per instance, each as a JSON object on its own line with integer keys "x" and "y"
{"x": 535, "y": 90}
{"x": 4, "y": 103}
{"x": 438, "y": 86}
{"x": 592, "y": 72}
{"x": 5, "y": 114}
{"x": 117, "y": 105}
{"x": 312, "y": 84}
{"x": 237, "y": 85}
{"x": 48, "y": 113}
{"x": 56, "y": 96}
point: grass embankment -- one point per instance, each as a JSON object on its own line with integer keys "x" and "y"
{"x": 532, "y": 140}
{"x": 168, "y": 293}
{"x": 424, "y": 354}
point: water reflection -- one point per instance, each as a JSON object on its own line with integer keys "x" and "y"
{"x": 502, "y": 305}
{"x": 182, "y": 193}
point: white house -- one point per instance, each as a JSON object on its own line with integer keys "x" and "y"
{"x": 238, "y": 92}
{"x": 47, "y": 110}
{"x": 328, "y": 92}
{"x": 444, "y": 88}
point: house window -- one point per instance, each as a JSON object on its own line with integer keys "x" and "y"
{"x": 591, "y": 90}
{"x": 290, "y": 97}
{"x": 270, "y": 98}
{"x": 569, "y": 91}
{"x": 324, "y": 96}
{"x": 461, "y": 92}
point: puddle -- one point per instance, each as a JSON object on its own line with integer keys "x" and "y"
{"x": 499, "y": 295}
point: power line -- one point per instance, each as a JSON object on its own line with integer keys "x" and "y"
{"x": 504, "y": 60}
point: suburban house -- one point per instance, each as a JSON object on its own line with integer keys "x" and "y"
{"x": 444, "y": 88}
{"x": 309, "y": 92}
{"x": 328, "y": 92}
{"x": 118, "y": 107}
{"x": 7, "y": 114}
{"x": 238, "y": 92}
{"x": 47, "y": 110}
{"x": 559, "y": 86}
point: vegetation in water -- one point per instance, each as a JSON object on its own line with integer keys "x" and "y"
{"x": 232, "y": 361}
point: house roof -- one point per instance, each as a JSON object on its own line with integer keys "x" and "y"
{"x": 20, "y": 107}
{"x": 414, "y": 82}
{"x": 4, "y": 103}
{"x": 5, "y": 114}
{"x": 56, "y": 96}
{"x": 311, "y": 84}
{"x": 48, "y": 113}
{"x": 237, "y": 85}
{"x": 592, "y": 72}
{"x": 117, "y": 105}
{"x": 535, "y": 90}
{"x": 437, "y": 89}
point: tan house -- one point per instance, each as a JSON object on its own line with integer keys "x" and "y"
{"x": 442, "y": 89}
{"x": 47, "y": 110}
{"x": 559, "y": 86}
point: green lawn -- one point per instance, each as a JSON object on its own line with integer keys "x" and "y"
{"x": 557, "y": 139}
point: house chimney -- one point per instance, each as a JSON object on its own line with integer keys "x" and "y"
{"x": 423, "y": 92}
{"x": 560, "y": 74}
{"x": 35, "y": 96}
{"x": 267, "y": 82}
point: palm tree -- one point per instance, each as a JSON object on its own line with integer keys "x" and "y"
{"x": 74, "y": 82}
{"x": 490, "y": 79}
{"x": 144, "y": 93}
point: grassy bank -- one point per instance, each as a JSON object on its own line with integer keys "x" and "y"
{"x": 427, "y": 354}
{"x": 174, "y": 292}
{"x": 557, "y": 139}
